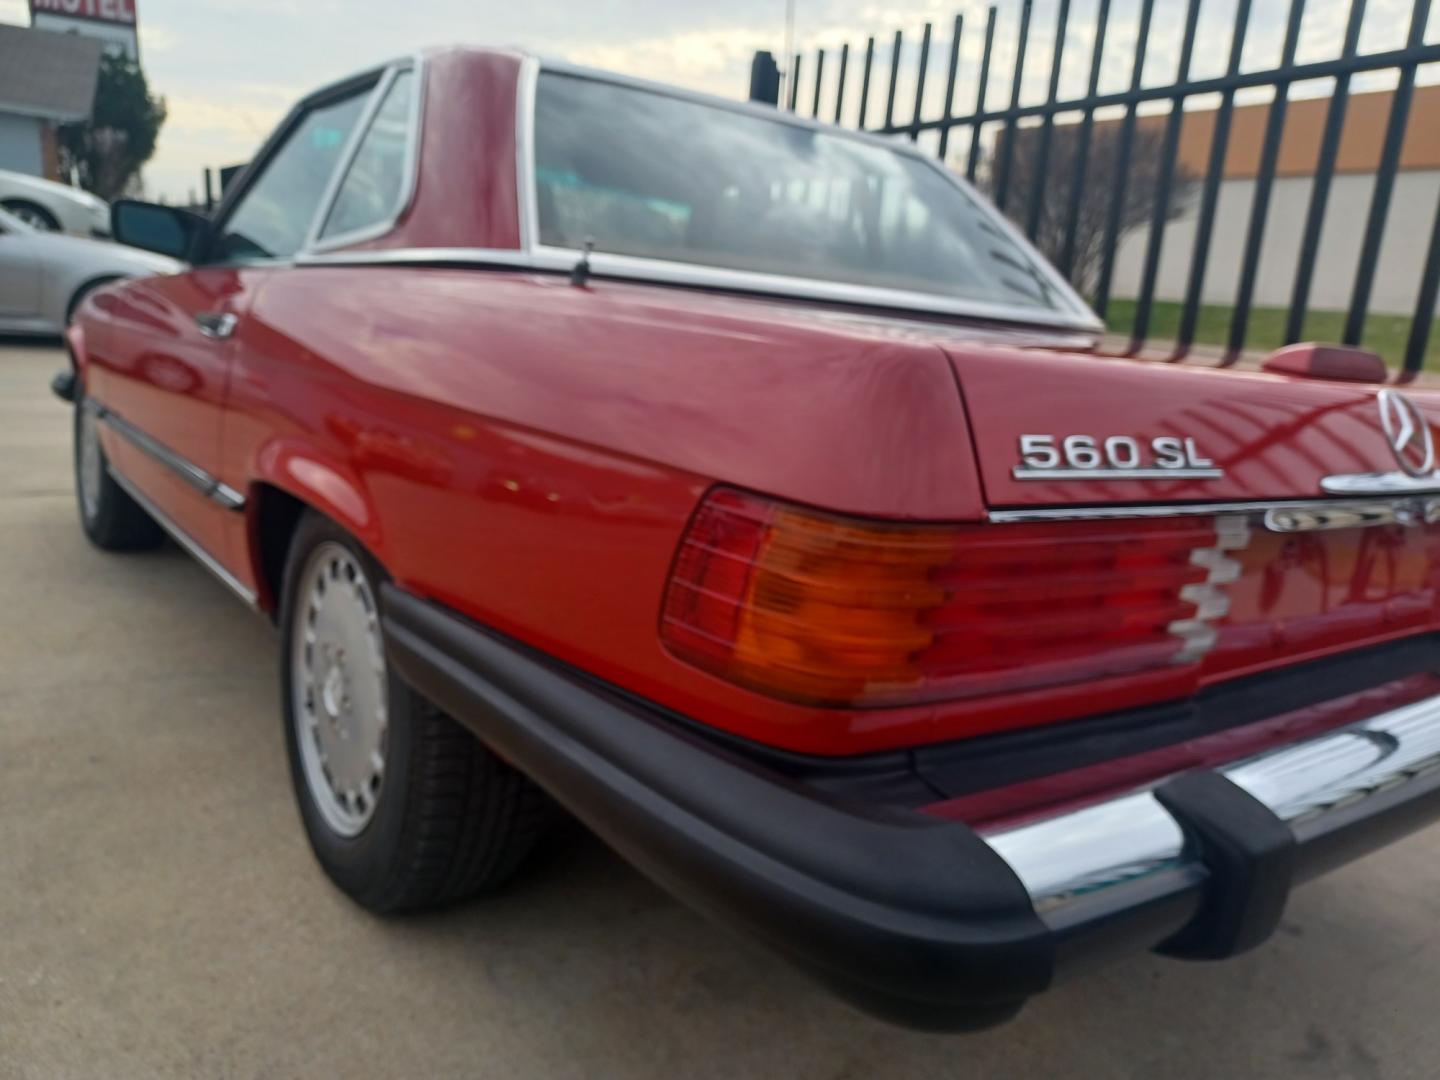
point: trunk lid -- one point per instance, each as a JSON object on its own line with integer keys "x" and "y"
{"x": 1280, "y": 584}
{"x": 1260, "y": 437}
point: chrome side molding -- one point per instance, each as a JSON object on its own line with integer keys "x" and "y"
{"x": 1276, "y": 516}
{"x": 209, "y": 486}
{"x": 188, "y": 542}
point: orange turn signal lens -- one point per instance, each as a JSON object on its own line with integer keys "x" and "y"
{"x": 829, "y": 610}
{"x": 802, "y": 604}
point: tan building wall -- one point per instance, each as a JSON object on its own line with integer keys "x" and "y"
{"x": 1402, "y": 250}
{"x": 1366, "y": 118}
{"x": 1412, "y": 218}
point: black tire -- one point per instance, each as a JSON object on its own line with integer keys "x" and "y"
{"x": 450, "y": 820}
{"x": 33, "y": 213}
{"x": 112, "y": 520}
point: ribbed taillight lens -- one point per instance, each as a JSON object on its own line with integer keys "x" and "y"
{"x": 830, "y": 610}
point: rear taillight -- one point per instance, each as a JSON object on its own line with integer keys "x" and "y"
{"x": 839, "y": 611}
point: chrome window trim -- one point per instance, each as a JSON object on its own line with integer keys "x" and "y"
{"x": 526, "y": 196}
{"x": 669, "y": 272}
{"x": 666, "y": 272}
{"x": 1375, "y": 512}
{"x": 314, "y": 243}
{"x": 347, "y": 157}
{"x": 506, "y": 258}
{"x": 559, "y": 260}
{"x": 209, "y": 486}
{"x": 186, "y": 541}
{"x": 231, "y": 199}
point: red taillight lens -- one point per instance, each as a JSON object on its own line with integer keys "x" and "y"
{"x": 838, "y": 611}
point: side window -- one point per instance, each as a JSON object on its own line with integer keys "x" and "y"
{"x": 370, "y": 194}
{"x": 275, "y": 213}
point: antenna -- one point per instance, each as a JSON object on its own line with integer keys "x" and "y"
{"x": 580, "y": 274}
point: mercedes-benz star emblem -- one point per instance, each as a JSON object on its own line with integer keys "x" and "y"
{"x": 1408, "y": 433}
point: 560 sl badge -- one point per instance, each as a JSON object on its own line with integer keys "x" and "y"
{"x": 1118, "y": 457}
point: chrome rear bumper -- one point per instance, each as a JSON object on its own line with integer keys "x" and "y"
{"x": 1133, "y": 854}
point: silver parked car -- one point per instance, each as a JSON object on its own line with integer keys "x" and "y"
{"x": 45, "y": 275}
{"x": 53, "y": 207}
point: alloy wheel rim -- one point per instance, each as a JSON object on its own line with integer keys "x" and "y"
{"x": 339, "y": 689}
{"x": 92, "y": 467}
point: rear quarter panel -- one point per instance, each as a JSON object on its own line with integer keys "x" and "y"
{"x": 529, "y": 452}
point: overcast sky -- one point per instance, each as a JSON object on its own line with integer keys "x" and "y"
{"x": 228, "y": 69}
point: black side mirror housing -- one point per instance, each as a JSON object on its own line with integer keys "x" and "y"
{"x": 166, "y": 230}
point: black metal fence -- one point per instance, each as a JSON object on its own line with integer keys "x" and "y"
{"x": 1037, "y": 122}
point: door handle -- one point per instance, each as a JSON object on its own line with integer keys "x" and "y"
{"x": 214, "y": 324}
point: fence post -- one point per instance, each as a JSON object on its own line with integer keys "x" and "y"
{"x": 1082, "y": 150}
{"x": 1320, "y": 185}
{"x": 1160, "y": 209}
{"x": 920, "y": 83}
{"x": 1424, "y": 324}
{"x": 1001, "y": 181}
{"x": 840, "y": 80}
{"x": 894, "y": 75}
{"x": 972, "y": 158}
{"x": 1385, "y": 181}
{"x": 1264, "y": 182}
{"x": 1210, "y": 197}
{"x": 949, "y": 111}
{"x": 1041, "y": 163}
{"x": 1122, "y": 166}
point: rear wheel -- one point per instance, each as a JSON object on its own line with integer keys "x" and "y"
{"x": 33, "y": 214}
{"x": 110, "y": 517}
{"x": 404, "y": 808}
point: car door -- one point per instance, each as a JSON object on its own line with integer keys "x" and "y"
{"x": 19, "y": 271}
{"x": 162, "y": 376}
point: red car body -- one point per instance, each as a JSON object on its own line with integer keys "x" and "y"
{"x": 526, "y": 454}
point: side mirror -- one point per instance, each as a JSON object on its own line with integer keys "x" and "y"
{"x": 166, "y": 230}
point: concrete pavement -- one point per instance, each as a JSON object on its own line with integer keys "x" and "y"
{"x": 161, "y": 916}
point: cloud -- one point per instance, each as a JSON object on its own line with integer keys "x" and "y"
{"x": 716, "y": 61}
{"x": 213, "y": 130}
{"x": 157, "y": 39}
{"x": 195, "y": 51}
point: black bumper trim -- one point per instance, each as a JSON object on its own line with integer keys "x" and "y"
{"x": 915, "y": 919}
{"x": 1250, "y": 854}
{"x": 909, "y": 917}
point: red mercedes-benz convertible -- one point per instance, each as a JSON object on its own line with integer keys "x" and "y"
{"x": 750, "y": 487}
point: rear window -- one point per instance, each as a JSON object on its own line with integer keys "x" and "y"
{"x": 644, "y": 174}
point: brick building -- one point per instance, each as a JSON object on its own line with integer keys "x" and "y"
{"x": 46, "y": 79}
